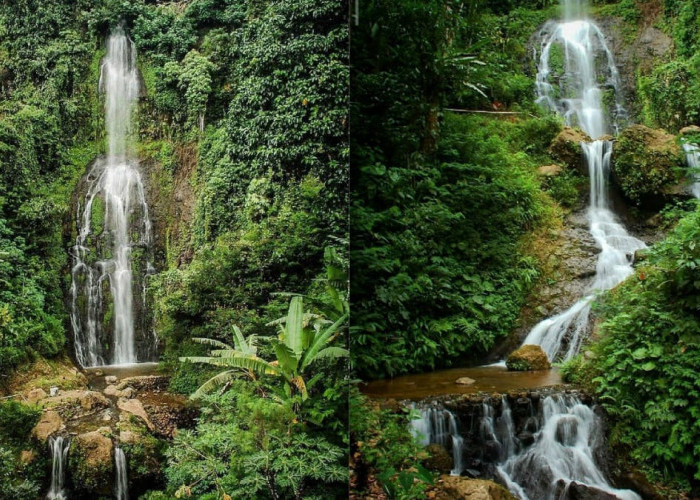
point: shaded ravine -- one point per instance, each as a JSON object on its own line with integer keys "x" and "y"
{"x": 578, "y": 97}
{"x": 113, "y": 248}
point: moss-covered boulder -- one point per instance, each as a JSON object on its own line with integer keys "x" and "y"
{"x": 566, "y": 147}
{"x": 90, "y": 463}
{"x": 648, "y": 165}
{"x": 440, "y": 459}
{"x": 528, "y": 358}
{"x": 463, "y": 488}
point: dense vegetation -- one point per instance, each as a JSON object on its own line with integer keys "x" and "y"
{"x": 442, "y": 200}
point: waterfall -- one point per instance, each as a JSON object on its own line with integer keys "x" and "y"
{"x": 692, "y": 157}
{"x": 122, "y": 483}
{"x": 59, "y": 453}
{"x": 563, "y": 452}
{"x": 578, "y": 98}
{"x": 111, "y": 256}
{"x": 439, "y": 426}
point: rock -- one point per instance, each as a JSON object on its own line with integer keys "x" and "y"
{"x": 99, "y": 373}
{"x": 440, "y": 460}
{"x": 167, "y": 417}
{"x": 549, "y": 170}
{"x": 90, "y": 463}
{"x": 528, "y": 358}
{"x": 491, "y": 451}
{"x": 526, "y": 438}
{"x": 53, "y": 391}
{"x": 26, "y": 457}
{"x": 567, "y": 430}
{"x": 49, "y": 424}
{"x": 70, "y": 402}
{"x": 464, "y": 488}
{"x": 128, "y": 393}
{"x": 112, "y": 391}
{"x": 465, "y": 381}
{"x": 145, "y": 383}
{"x": 578, "y": 491}
{"x": 566, "y": 147}
{"x": 690, "y": 130}
{"x": 635, "y": 480}
{"x": 36, "y": 395}
{"x": 135, "y": 407}
{"x": 111, "y": 379}
{"x": 645, "y": 165}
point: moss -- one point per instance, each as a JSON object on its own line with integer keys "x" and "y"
{"x": 97, "y": 215}
{"x": 647, "y": 164}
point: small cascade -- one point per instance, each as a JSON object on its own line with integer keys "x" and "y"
{"x": 113, "y": 247}
{"x": 121, "y": 489}
{"x": 58, "y": 445}
{"x": 439, "y": 426}
{"x": 562, "y": 455}
{"x": 577, "y": 95}
{"x": 692, "y": 157}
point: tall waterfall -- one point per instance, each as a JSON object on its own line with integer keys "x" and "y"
{"x": 121, "y": 489}
{"x": 578, "y": 97}
{"x": 59, "y": 453}
{"x": 562, "y": 455}
{"x": 111, "y": 256}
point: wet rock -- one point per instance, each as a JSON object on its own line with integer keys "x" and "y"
{"x": 36, "y": 395}
{"x": 578, "y": 491}
{"x": 645, "y": 165}
{"x": 77, "y": 400}
{"x": 491, "y": 451}
{"x": 111, "y": 379}
{"x": 464, "y": 488}
{"x": 635, "y": 480}
{"x": 690, "y": 130}
{"x": 135, "y": 407}
{"x": 464, "y": 381}
{"x": 527, "y": 358}
{"x": 566, "y": 147}
{"x": 111, "y": 391}
{"x": 49, "y": 424}
{"x": 90, "y": 463}
{"x": 567, "y": 430}
{"x": 526, "y": 438}
{"x": 440, "y": 460}
{"x": 145, "y": 383}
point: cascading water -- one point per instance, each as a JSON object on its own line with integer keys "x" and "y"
{"x": 439, "y": 426}
{"x": 578, "y": 97}
{"x": 692, "y": 157}
{"x": 121, "y": 489}
{"x": 563, "y": 452}
{"x": 59, "y": 453}
{"x": 111, "y": 256}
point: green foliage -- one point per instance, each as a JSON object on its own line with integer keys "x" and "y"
{"x": 19, "y": 480}
{"x": 250, "y": 446}
{"x": 646, "y": 366}
{"x": 565, "y": 188}
{"x": 382, "y": 446}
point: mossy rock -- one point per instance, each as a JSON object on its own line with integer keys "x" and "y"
{"x": 528, "y": 358}
{"x": 648, "y": 165}
{"x": 91, "y": 463}
{"x": 440, "y": 459}
{"x": 566, "y": 147}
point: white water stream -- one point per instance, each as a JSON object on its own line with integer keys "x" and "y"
{"x": 103, "y": 285}
{"x": 692, "y": 157}
{"x": 59, "y": 453}
{"x": 439, "y": 426}
{"x": 121, "y": 490}
{"x": 578, "y": 97}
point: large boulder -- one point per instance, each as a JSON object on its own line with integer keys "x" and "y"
{"x": 49, "y": 424}
{"x": 462, "y": 488}
{"x": 440, "y": 460}
{"x": 648, "y": 165}
{"x": 566, "y": 147}
{"x": 578, "y": 491}
{"x": 91, "y": 464}
{"x": 528, "y": 358}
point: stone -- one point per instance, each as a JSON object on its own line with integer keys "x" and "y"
{"x": 690, "y": 130}
{"x": 440, "y": 460}
{"x": 111, "y": 379}
{"x": 36, "y": 395}
{"x": 528, "y": 358}
{"x": 49, "y": 424}
{"x": 87, "y": 400}
{"x": 90, "y": 463}
{"x": 135, "y": 407}
{"x": 26, "y": 457}
{"x": 567, "y": 430}
{"x": 145, "y": 383}
{"x": 464, "y": 488}
{"x": 53, "y": 391}
{"x": 465, "y": 381}
{"x": 128, "y": 393}
{"x": 112, "y": 391}
{"x": 566, "y": 147}
{"x": 578, "y": 491}
{"x": 549, "y": 170}
{"x": 646, "y": 164}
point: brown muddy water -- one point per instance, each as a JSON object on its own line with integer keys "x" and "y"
{"x": 494, "y": 378}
